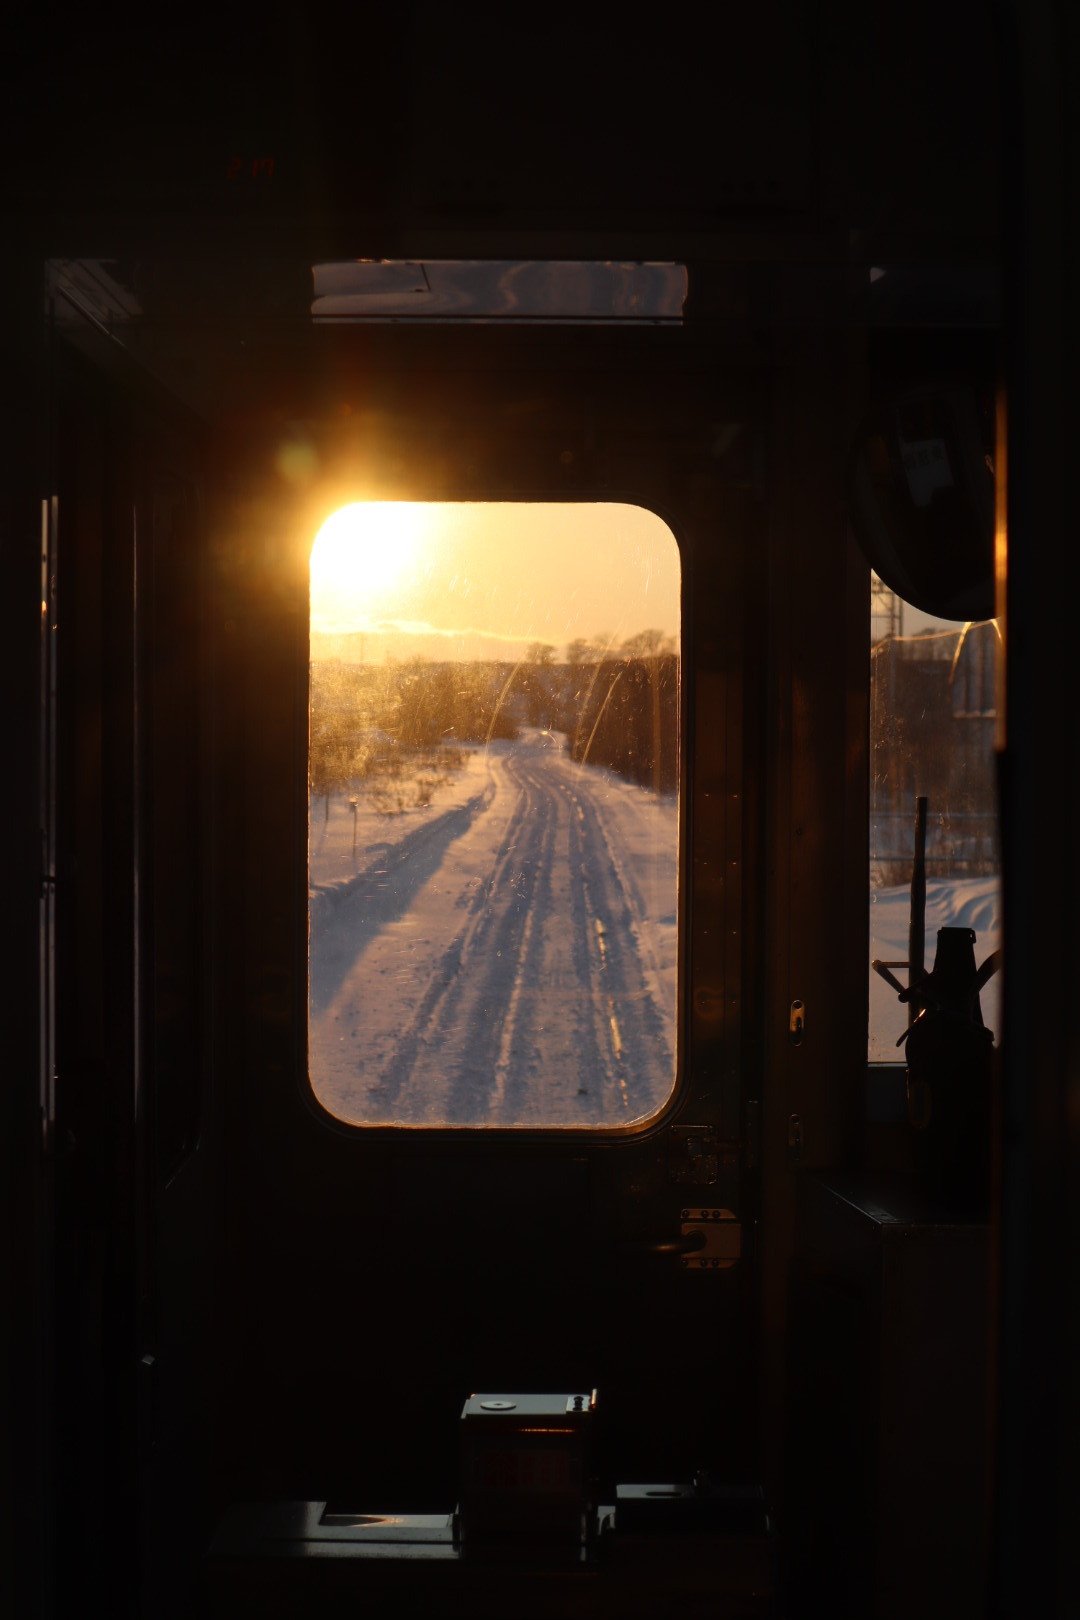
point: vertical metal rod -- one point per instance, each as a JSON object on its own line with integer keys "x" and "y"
{"x": 917, "y": 920}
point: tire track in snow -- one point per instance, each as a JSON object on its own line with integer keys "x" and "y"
{"x": 634, "y": 1029}
{"x": 537, "y": 1010}
{"x": 437, "y": 1011}
{"x": 521, "y": 969}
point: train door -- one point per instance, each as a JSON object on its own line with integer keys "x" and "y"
{"x": 422, "y": 1261}
{"x": 322, "y": 1284}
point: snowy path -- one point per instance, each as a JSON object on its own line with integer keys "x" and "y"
{"x": 496, "y": 965}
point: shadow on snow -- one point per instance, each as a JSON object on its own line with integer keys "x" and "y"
{"x": 345, "y": 919}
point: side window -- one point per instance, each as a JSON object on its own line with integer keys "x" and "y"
{"x": 494, "y": 814}
{"x": 932, "y": 726}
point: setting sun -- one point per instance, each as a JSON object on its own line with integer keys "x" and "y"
{"x": 361, "y": 556}
{"x": 466, "y": 580}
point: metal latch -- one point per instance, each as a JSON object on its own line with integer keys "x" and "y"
{"x": 711, "y": 1239}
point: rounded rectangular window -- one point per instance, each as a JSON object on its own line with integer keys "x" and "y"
{"x": 494, "y": 814}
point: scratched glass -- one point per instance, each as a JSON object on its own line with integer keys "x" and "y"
{"x": 494, "y": 814}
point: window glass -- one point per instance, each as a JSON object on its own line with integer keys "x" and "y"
{"x": 516, "y": 291}
{"x": 494, "y": 813}
{"x": 932, "y": 728}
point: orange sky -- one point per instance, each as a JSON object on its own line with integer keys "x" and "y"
{"x": 474, "y": 580}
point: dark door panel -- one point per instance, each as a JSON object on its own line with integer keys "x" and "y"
{"x": 316, "y": 1301}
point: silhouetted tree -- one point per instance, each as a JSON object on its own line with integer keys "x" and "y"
{"x": 650, "y": 646}
{"x": 625, "y": 709}
{"x": 537, "y": 684}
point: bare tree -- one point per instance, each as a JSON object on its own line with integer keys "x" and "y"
{"x": 650, "y": 646}
{"x": 536, "y": 682}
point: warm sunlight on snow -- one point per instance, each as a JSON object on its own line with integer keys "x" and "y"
{"x": 494, "y": 769}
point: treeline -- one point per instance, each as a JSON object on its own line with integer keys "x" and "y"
{"x": 627, "y": 718}
{"x": 618, "y": 709}
{"x": 933, "y": 720}
{"x": 362, "y": 716}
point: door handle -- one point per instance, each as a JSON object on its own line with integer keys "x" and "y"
{"x": 710, "y": 1239}
{"x": 687, "y": 1243}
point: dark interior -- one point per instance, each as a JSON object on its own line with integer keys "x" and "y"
{"x": 238, "y": 1334}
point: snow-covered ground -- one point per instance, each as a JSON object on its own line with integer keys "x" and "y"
{"x": 962, "y": 903}
{"x": 505, "y": 954}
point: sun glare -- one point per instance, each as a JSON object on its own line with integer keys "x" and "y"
{"x": 361, "y": 556}
{"x": 488, "y": 579}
